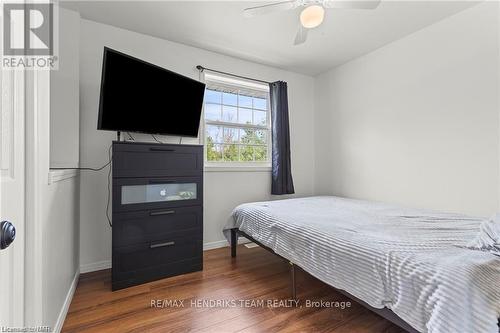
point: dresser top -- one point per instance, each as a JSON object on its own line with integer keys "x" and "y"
{"x": 135, "y": 143}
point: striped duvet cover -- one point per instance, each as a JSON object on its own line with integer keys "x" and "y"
{"x": 410, "y": 261}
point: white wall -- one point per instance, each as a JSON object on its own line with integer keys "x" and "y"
{"x": 64, "y": 95}
{"x": 53, "y": 246}
{"x": 61, "y": 246}
{"x": 417, "y": 121}
{"x": 223, "y": 190}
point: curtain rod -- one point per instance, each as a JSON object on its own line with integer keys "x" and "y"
{"x": 201, "y": 69}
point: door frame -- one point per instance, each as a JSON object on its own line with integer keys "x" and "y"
{"x": 37, "y": 99}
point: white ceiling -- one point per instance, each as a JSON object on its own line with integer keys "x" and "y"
{"x": 221, "y": 27}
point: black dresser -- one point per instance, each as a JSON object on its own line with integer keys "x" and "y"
{"x": 157, "y": 211}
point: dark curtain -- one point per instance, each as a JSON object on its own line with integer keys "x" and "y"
{"x": 282, "y": 182}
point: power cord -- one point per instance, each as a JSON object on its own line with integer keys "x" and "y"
{"x": 154, "y": 137}
{"x": 84, "y": 168}
{"x": 109, "y": 188}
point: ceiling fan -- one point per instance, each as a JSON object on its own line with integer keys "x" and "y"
{"x": 313, "y": 13}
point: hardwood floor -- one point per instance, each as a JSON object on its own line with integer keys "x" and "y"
{"x": 254, "y": 275}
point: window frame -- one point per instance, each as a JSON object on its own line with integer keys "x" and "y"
{"x": 237, "y": 165}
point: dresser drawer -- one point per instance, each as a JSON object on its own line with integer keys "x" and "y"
{"x": 132, "y": 194}
{"x": 166, "y": 251}
{"x": 156, "y": 160}
{"x": 153, "y": 225}
{"x": 122, "y": 280}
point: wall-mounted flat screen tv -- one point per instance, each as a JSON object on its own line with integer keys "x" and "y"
{"x": 137, "y": 96}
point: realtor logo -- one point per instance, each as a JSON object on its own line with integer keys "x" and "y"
{"x": 28, "y": 35}
{"x": 28, "y": 29}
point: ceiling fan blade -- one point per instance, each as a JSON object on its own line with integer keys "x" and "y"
{"x": 301, "y": 35}
{"x": 270, "y": 8}
{"x": 352, "y": 4}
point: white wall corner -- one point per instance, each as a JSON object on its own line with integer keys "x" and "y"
{"x": 67, "y": 302}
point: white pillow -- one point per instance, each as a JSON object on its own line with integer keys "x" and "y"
{"x": 488, "y": 238}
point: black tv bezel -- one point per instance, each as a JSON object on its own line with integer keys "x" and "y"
{"x": 103, "y": 71}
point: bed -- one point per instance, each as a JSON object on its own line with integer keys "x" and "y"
{"x": 408, "y": 263}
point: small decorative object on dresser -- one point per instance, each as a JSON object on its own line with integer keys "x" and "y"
{"x": 157, "y": 211}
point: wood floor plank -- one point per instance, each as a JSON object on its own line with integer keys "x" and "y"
{"x": 256, "y": 277}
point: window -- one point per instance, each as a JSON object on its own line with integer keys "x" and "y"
{"x": 237, "y": 123}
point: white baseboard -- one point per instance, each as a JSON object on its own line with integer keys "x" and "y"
{"x": 105, "y": 264}
{"x": 215, "y": 245}
{"x": 67, "y": 302}
{"x": 95, "y": 266}
{"x": 222, "y": 243}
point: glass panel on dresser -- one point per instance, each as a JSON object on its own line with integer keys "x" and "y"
{"x": 133, "y": 194}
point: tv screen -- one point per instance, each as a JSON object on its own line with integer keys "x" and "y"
{"x": 137, "y": 96}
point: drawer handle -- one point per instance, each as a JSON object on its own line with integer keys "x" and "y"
{"x": 159, "y": 182}
{"x": 165, "y": 212}
{"x": 161, "y": 149}
{"x": 154, "y": 246}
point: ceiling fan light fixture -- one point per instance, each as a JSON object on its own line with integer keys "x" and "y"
{"x": 312, "y": 16}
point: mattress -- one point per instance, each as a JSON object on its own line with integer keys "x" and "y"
{"x": 411, "y": 261}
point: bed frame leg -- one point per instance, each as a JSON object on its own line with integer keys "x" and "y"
{"x": 234, "y": 242}
{"x": 292, "y": 282}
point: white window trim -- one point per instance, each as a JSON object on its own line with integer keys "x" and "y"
{"x": 236, "y": 166}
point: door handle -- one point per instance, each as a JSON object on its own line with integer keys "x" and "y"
{"x": 7, "y": 234}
